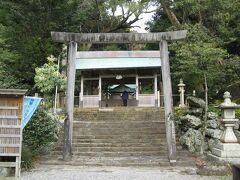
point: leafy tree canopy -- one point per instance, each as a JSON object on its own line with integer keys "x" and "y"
{"x": 212, "y": 45}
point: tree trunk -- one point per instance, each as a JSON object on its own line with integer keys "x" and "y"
{"x": 199, "y": 12}
{"x": 171, "y": 16}
{"x": 204, "y": 124}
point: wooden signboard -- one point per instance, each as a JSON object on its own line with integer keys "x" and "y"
{"x": 11, "y": 109}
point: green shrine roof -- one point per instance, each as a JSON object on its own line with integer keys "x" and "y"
{"x": 115, "y": 63}
{"x": 121, "y": 88}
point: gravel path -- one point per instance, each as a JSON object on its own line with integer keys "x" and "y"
{"x": 114, "y": 173}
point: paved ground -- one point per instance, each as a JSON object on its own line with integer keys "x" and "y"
{"x": 114, "y": 173}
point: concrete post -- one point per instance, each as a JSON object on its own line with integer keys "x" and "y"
{"x": 100, "y": 90}
{"x": 137, "y": 90}
{"x": 155, "y": 90}
{"x": 81, "y": 93}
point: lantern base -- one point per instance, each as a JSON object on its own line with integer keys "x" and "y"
{"x": 228, "y": 152}
{"x": 214, "y": 158}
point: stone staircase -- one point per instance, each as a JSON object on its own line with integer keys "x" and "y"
{"x": 121, "y": 137}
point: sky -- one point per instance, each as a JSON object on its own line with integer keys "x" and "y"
{"x": 143, "y": 19}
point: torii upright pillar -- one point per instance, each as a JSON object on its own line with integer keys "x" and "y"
{"x": 168, "y": 101}
{"x": 68, "y": 124}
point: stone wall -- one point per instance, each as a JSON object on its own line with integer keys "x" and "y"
{"x": 190, "y": 127}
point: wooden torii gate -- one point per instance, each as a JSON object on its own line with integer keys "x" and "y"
{"x": 160, "y": 37}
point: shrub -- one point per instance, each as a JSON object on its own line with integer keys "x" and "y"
{"x": 180, "y": 111}
{"x": 41, "y": 132}
{"x": 214, "y": 108}
{"x": 27, "y": 158}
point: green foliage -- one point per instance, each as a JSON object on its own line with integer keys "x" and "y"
{"x": 48, "y": 77}
{"x": 28, "y": 25}
{"x": 238, "y": 113}
{"x": 199, "y": 54}
{"x": 7, "y": 79}
{"x": 214, "y": 108}
{"x": 41, "y": 132}
{"x": 147, "y": 89}
{"x": 180, "y": 112}
{"x": 27, "y": 158}
{"x": 211, "y": 47}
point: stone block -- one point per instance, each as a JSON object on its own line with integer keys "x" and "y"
{"x": 190, "y": 121}
{"x": 212, "y": 116}
{"x": 212, "y": 143}
{"x": 214, "y": 133}
{"x": 195, "y": 102}
{"x": 228, "y": 146}
{"x": 226, "y": 154}
{"x": 212, "y": 124}
{"x": 192, "y": 140}
{"x": 215, "y": 158}
{"x": 196, "y": 111}
{"x": 227, "y": 150}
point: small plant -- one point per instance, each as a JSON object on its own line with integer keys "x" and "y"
{"x": 214, "y": 108}
{"x": 180, "y": 111}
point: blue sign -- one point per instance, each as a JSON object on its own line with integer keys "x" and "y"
{"x": 30, "y": 105}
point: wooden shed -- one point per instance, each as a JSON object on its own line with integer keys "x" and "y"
{"x": 11, "y": 112}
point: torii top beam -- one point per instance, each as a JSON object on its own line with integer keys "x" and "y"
{"x": 118, "y": 37}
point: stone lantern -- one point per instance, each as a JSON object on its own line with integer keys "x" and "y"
{"x": 181, "y": 90}
{"x": 229, "y": 120}
{"x": 194, "y": 93}
{"x": 229, "y": 148}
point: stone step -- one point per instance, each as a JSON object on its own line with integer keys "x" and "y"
{"x": 113, "y": 133}
{"x": 120, "y": 113}
{"x": 134, "y": 161}
{"x": 118, "y": 117}
{"x": 120, "y": 140}
{"x": 124, "y": 137}
{"x": 119, "y": 127}
{"x": 121, "y": 137}
{"x": 119, "y": 109}
{"x": 163, "y": 144}
{"x": 115, "y": 143}
{"x": 121, "y": 153}
{"x": 117, "y": 149}
{"x": 139, "y": 148}
{"x": 130, "y": 124}
{"x": 118, "y": 144}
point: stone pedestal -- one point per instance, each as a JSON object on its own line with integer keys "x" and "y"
{"x": 227, "y": 150}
